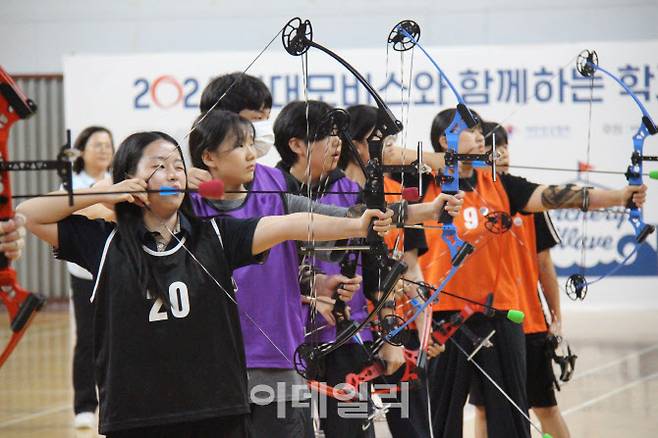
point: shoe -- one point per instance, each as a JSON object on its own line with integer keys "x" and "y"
{"x": 84, "y": 420}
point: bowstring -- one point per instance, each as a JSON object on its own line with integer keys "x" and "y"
{"x": 234, "y": 83}
{"x": 427, "y": 314}
{"x": 424, "y": 337}
{"x": 323, "y": 183}
{"x": 584, "y": 223}
{"x": 194, "y": 126}
{"x": 309, "y": 258}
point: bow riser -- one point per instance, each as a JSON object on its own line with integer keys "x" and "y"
{"x": 634, "y": 178}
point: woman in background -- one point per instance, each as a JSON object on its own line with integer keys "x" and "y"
{"x": 96, "y": 150}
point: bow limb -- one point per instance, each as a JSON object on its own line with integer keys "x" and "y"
{"x": 21, "y": 306}
{"x": 342, "y": 391}
{"x": 351, "y": 388}
{"x": 427, "y": 303}
{"x": 409, "y": 32}
{"x": 378, "y": 369}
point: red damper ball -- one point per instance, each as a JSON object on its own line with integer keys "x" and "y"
{"x": 213, "y": 189}
{"x": 410, "y": 194}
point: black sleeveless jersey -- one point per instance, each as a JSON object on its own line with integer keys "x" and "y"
{"x": 158, "y": 365}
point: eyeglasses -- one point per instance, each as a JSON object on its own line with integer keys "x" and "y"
{"x": 99, "y": 146}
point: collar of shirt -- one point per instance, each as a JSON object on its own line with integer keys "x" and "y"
{"x": 468, "y": 184}
{"x": 300, "y": 188}
{"x": 83, "y": 180}
{"x": 155, "y": 241}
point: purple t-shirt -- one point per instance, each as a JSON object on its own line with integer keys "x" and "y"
{"x": 268, "y": 293}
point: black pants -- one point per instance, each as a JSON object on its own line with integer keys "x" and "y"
{"x": 263, "y": 422}
{"x": 349, "y": 358}
{"x": 232, "y": 426}
{"x": 451, "y": 375}
{"x": 416, "y": 425}
{"x": 541, "y": 393}
{"x": 84, "y": 387}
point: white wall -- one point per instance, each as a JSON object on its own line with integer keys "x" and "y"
{"x": 36, "y": 33}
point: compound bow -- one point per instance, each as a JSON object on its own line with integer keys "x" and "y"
{"x": 587, "y": 65}
{"x": 21, "y": 304}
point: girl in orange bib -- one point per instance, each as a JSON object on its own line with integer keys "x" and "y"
{"x": 488, "y": 206}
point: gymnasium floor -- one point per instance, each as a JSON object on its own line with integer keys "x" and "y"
{"x": 614, "y": 392}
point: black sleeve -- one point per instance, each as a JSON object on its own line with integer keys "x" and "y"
{"x": 518, "y": 191}
{"x": 415, "y": 239}
{"x": 81, "y": 241}
{"x": 546, "y": 234}
{"x": 237, "y": 239}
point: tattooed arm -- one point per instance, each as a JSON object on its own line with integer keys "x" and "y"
{"x": 583, "y": 198}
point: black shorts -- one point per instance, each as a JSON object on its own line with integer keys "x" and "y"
{"x": 349, "y": 358}
{"x": 541, "y": 393}
{"x": 232, "y": 426}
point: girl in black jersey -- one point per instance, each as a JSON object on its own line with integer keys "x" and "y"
{"x": 168, "y": 347}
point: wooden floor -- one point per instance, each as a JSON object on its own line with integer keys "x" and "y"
{"x": 614, "y": 392}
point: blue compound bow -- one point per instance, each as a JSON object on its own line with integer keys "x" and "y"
{"x": 587, "y": 65}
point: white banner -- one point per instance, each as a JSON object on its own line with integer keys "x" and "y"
{"x": 534, "y": 91}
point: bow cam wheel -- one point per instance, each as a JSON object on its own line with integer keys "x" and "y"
{"x": 404, "y": 35}
{"x": 306, "y": 363}
{"x": 296, "y": 36}
{"x": 332, "y": 123}
{"x": 576, "y": 287}
{"x": 587, "y": 62}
